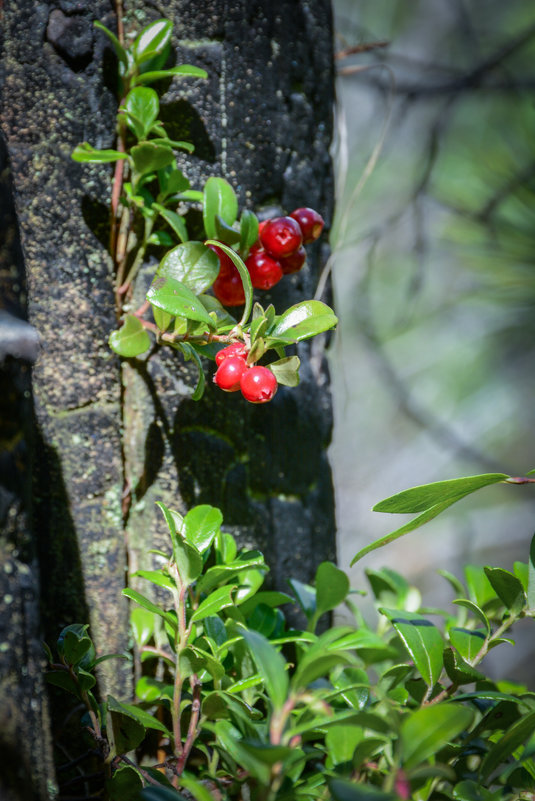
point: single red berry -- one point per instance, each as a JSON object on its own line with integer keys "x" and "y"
{"x": 236, "y": 349}
{"x": 293, "y": 262}
{"x": 310, "y": 222}
{"x": 281, "y": 236}
{"x": 230, "y": 371}
{"x": 258, "y": 384}
{"x": 265, "y": 271}
{"x": 226, "y": 265}
{"x": 228, "y": 288}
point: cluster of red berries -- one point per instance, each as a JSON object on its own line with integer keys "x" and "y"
{"x": 278, "y": 251}
{"x": 257, "y": 384}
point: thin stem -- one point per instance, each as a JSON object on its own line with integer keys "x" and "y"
{"x": 138, "y": 261}
{"x": 194, "y": 720}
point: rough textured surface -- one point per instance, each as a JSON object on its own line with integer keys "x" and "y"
{"x": 263, "y": 121}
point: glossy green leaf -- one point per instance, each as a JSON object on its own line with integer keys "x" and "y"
{"x": 150, "y": 606}
{"x": 188, "y": 561}
{"x": 84, "y": 152}
{"x": 430, "y": 728}
{"x": 479, "y": 587}
{"x": 157, "y": 577}
{"x": 418, "y": 499}
{"x": 269, "y": 598}
{"x": 507, "y": 587}
{"x": 422, "y": 640}
{"x": 74, "y": 642}
{"x": 154, "y": 39}
{"x": 332, "y": 587}
{"x": 425, "y": 517}
{"x": 459, "y": 671}
{"x": 271, "y": 666}
{"x": 148, "y": 157}
{"x": 191, "y": 263}
{"x": 244, "y": 274}
{"x": 467, "y": 641}
{"x": 248, "y": 231}
{"x": 173, "y": 143}
{"x": 305, "y": 595}
{"x": 145, "y": 719}
{"x": 226, "y": 233}
{"x": 500, "y": 751}
{"x": 218, "y": 599}
{"x": 171, "y": 180}
{"x": 473, "y": 791}
{"x": 219, "y": 199}
{"x": 286, "y": 370}
{"x": 195, "y": 660}
{"x": 229, "y": 740}
{"x": 183, "y": 70}
{"x": 149, "y": 689}
{"x": 63, "y": 679}
{"x": 476, "y": 610}
{"x": 162, "y": 318}
{"x": 175, "y": 222}
{"x": 143, "y": 104}
{"x": 201, "y": 525}
{"x": 131, "y": 339}
{"x": 176, "y": 299}
{"x": 304, "y": 320}
{"x": 195, "y": 788}
{"x": 124, "y": 785}
{"x": 125, "y": 732}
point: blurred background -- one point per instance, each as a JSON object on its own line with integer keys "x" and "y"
{"x": 434, "y": 280}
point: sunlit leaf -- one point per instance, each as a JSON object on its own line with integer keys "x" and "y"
{"x": 131, "y": 340}
{"x": 428, "y": 729}
{"x": 422, "y": 640}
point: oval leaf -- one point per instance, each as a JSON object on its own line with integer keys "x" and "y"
{"x": 152, "y": 40}
{"x": 131, "y": 339}
{"x": 430, "y": 728}
{"x": 422, "y": 640}
{"x": 271, "y": 666}
{"x": 143, "y": 104}
{"x": 217, "y": 600}
{"x": 332, "y": 586}
{"x": 85, "y": 152}
{"x": 176, "y": 299}
{"x": 304, "y": 320}
{"x": 219, "y": 199}
{"x": 149, "y": 157}
{"x": 201, "y": 525}
{"x": 192, "y": 263}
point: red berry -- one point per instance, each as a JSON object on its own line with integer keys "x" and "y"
{"x": 310, "y": 222}
{"x": 281, "y": 236}
{"x": 265, "y": 271}
{"x": 293, "y": 262}
{"x": 226, "y": 265}
{"x": 236, "y": 349}
{"x": 228, "y": 288}
{"x": 258, "y": 384}
{"x": 229, "y": 373}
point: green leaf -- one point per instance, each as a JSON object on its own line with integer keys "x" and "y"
{"x": 150, "y": 607}
{"x": 248, "y": 231}
{"x": 193, "y": 264}
{"x": 219, "y": 199}
{"x": 507, "y": 587}
{"x": 124, "y": 731}
{"x": 219, "y": 599}
{"x": 268, "y": 598}
{"x": 145, "y": 719}
{"x": 244, "y": 274}
{"x": 143, "y": 104}
{"x": 149, "y": 689}
{"x": 476, "y": 610}
{"x": 304, "y": 320}
{"x": 422, "y": 640}
{"x": 86, "y": 153}
{"x": 157, "y": 577}
{"x": 173, "y": 143}
{"x": 174, "y": 522}
{"x": 473, "y": 791}
{"x": 425, "y": 517}
{"x": 286, "y": 371}
{"x": 148, "y": 157}
{"x": 153, "y": 793}
{"x": 201, "y": 525}
{"x": 188, "y": 561}
{"x": 479, "y": 587}
{"x": 531, "y": 576}
{"x": 183, "y": 70}
{"x": 459, "y": 671}
{"x": 341, "y": 742}
{"x": 218, "y": 573}
{"x": 418, "y": 499}
{"x": 228, "y": 739}
{"x": 162, "y": 319}
{"x": 271, "y": 666}
{"x": 467, "y": 641}
{"x": 119, "y": 49}
{"x": 226, "y": 233}
{"x": 74, "y": 643}
{"x": 124, "y": 785}
{"x": 199, "y": 791}
{"x": 332, "y": 587}
{"x": 131, "y": 339}
{"x": 171, "y": 180}
{"x": 176, "y": 299}
{"x": 504, "y": 748}
{"x": 153, "y": 40}
{"x": 63, "y": 679}
{"x": 428, "y": 729}
{"x": 175, "y": 222}
{"x": 305, "y": 595}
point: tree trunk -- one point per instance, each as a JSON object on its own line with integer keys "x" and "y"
{"x": 112, "y": 438}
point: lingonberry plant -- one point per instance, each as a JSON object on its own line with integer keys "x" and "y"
{"x": 150, "y": 200}
{"x": 232, "y": 703}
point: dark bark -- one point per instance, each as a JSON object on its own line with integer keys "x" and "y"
{"x": 263, "y": 121}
